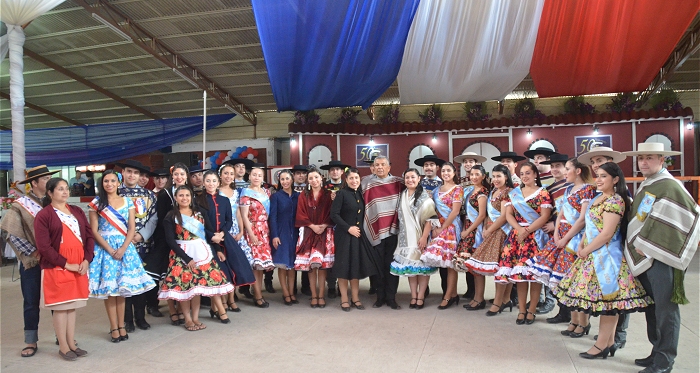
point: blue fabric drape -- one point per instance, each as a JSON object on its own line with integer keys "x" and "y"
{"x": 103, "y": 143}
{"x": 322, "y": 53}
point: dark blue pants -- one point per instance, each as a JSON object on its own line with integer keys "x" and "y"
{"x": 30, "y": 281}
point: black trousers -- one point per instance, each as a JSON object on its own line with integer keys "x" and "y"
{"x": 469, "y": 280}
{"x": 663, "y": 317}
{"x": 386, "y": 282}
{"x": 135, "y": 308}
{"x": 152, "y": 297}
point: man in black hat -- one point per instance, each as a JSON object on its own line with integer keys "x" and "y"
{"x": 17, "y": 228}
{"x": 540, "y": 155}
{"x": 510, "y": 160}
{"x": 197, "y": 178}
{"x": 430, "y": 164}
{"x": 335, "y": 181}
{"x": 160, "y": 179}
{"x": 146, "y": 220}
{"x": 300, "y": 173}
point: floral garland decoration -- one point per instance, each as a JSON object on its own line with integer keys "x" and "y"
{"x": 306, "y": 117}
{"x": 576, "y": 105}
{"x": 622, "y": 103}
{"x": 431, "y": 115}
{"x": 525, "y": 109}
{"x": 388, "y": 114}
{"x": 665, "y": 99}
{"x": 476, "y": 111}
{"x": 348, "y": 116}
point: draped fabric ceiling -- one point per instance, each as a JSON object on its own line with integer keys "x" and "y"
{"x": 347, "y": 52}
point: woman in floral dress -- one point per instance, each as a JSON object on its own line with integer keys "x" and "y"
{"x": 315, "y": 247}
{"x": 255, "y": 208}
{"x": 552, "y": 263}
{"x": 527, "y": 212}
{"x": 192, "y": 269}
{"x": 484, "y": 261}
{"x": 116, "y": 271}
{"x": 600, "y": 282}
{"x": 446, "y": 231}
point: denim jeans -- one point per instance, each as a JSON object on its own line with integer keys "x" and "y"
{"x": 30, "y": 282}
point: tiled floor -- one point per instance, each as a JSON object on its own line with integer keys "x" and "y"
{"x": 298, "y": 338}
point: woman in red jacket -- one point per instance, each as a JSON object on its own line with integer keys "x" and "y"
{"x": 64, "y": 241}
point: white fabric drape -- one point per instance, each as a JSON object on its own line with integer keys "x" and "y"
{"x": 468, "y": 51}
{"x": 4, "y": 46}
{"x": 16, "y": 13}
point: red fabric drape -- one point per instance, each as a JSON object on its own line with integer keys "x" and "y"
{"x": 604, "y": 46}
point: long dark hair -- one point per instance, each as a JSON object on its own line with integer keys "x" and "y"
{"x": 175, "y": 212}
{"x": 419, "y": 187}
{"x": 455, "y": 178}
{"x": 506, "y": 172}
{"x": 308, "y": 189}
{"x": 532, "y": 166}
{"x": 101, "y": 194}
{"x": 485, "y": 182}
{"x": 50, "y": 187}
{"x": 350, "y": 170}
{"x": 175, "y": 167}
{"x": 202, "y": 197}
{"x": 279, "y": 176}
{"x": 613, "y": 169}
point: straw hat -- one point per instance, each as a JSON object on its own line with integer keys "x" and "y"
{"x": 470, "y": 155}
{"x": 35, "y": 173}
{"x": 651, "y": 148}
{"x": 604, "y": 151}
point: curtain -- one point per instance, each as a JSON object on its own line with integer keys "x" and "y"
{"x": 468, "y": 51}
{"x": 602, "y": 46}
{"x": 103, "y": 143}
{"x": 322, "y": 53}
{"x": 16, "y": 13}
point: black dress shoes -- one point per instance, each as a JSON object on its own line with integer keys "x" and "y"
{"x": 154, "y": 311}
{"x": 378, "y": 304}
{"x": 331, "y": 292}
{"x": 646, "y": 362}
{"x": 269, "y": 288}
{"x": 129, "y": 326}
{"x": 372, "y": 291}
{"x": 654, "y": 369}
{"x": 393, "y": 305}
{"x": 245, "y": 291}
{"x": 558, "y": 319}
{"x": 142, "y": 324}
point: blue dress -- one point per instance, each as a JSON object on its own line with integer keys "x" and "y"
{"x": 109, "y": 277}
{"x": 283, "y": 210}
{"x": 234, "y": 228}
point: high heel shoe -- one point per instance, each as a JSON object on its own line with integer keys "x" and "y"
{"x": 420, "y": 306}
{"x": 494, "y": 313}
{"x": 602, "y": 354}
{"x": 413, "y": 305}
{"x": 613, "y": 349}
{"x": 508, "y": 304}
{"x": 213, "y": 314}
{"x": 479, "y": 306}
{"x": 450, "y": 302}
{"x": 229, "y": 307}
{"x": 261, "y": 303}
{"x": 532, "y": 320}
{"x": 519, "y": 321}
{"x": 223, "y": 321}
{"x": 346, "y": 309}
{"x": 319, "y": 302}
{"x": 113, "y": 339}
{"x": 358, "y": 305}
{"x": 125, "y": 336}
{"x": 585, "y": 331}
{"x": 568, "y": 332}
{"x": 288, "y": 302}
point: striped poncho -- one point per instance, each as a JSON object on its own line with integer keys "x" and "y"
{"x": 381, "y": 205}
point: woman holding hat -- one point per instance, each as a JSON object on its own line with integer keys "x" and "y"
{"x": 255, "y": 209}
{"x": 527, "y": 212}
{"x": 64, "y": 241}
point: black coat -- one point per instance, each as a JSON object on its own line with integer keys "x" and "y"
{"x": 156, "y": 260}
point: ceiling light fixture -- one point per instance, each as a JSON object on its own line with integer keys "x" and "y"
{"x": 529, "y": 133}
{"x": 690, "y": 125}
{"x": 185, "y": 77}
{"x": 292, "y": 141}
{"x": 371, "y": 140}
{"x": 595, "y": 130}
{"x": 112, "y": 27}
{"x": 434, "y": 138}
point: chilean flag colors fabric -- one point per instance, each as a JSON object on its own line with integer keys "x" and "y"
{"x": 340, "y": 53}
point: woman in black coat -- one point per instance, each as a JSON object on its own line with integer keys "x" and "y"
{"x": 354, "y": 259}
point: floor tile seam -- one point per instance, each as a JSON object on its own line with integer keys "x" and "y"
{"x": 425, "y": 342}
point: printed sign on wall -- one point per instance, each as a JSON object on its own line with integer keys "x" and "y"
{"x": 364, "y": 153}
{"x": 583, "y": 144}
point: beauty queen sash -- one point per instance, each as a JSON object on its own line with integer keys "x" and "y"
{"x": 494, "y": 214}
{"x": 467, "y": 193}
{"x": 519, "y": 203}
{"x": 113, "y": 217}
{"x": 608, "y": 259}
{"x": 445, "y": 211}
{"x": 261, "y": 197}
{"x": 472, "y": 215}
{"x": 570, "y": 215}
{"x": 195, "y": 248}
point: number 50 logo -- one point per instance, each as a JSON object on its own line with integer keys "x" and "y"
{"x": 584, "y": 144}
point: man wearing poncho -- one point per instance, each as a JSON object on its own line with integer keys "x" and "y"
{"x": 662, "y": 238}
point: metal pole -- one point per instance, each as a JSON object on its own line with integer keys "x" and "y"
{"x": 204, "y": 130}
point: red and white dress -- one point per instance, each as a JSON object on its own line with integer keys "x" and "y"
{"x": 314, "y": 250}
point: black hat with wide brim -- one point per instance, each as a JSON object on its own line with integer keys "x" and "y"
{"x": 512, "y": 155}
{"x": 247, "y": 162}
{"x": 429, "y": 158}
{"x": 160, "y": 172}
{"x": 261, "y": 166}
{"x": 195, "y": 168}
{"x": 131, "y": 163}
{"x": 299, "y": 167}
{"x": 332, "y": 164}
{"x": 540, "y": 150}
{"x": 35, "y": 173}
{"x": 556, "y": 158}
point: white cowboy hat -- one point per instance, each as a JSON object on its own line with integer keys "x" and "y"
{"x": 470, "y": 155}
{"x": 604, "y": 151}
{"x": 651, "y": 148}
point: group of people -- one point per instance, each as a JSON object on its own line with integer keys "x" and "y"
{"x": 563, "y": 227}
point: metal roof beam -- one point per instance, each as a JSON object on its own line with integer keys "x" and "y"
{"x": 88, "y": 83}
{"x": 166, "y": 55}
{"x": 687, "y": 46}
{"x": 45, "y": 111}
{"x": 195, "y": 14}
